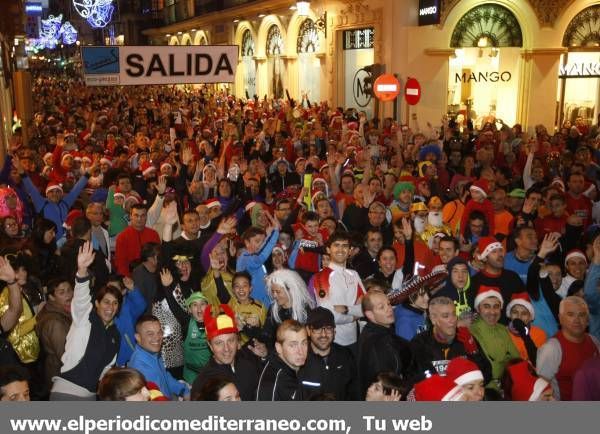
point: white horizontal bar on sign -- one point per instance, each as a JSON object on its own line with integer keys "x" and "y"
{"x": 387, "y": 88}
{"x": 412, "y": 91}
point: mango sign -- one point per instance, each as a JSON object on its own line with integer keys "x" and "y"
{"x": 173, "y": 64}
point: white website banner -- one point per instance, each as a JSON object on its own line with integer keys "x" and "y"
{"x": 171, "y": 64}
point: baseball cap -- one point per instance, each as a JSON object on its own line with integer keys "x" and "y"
{"x": 517, "y": 192}
{"x": 320, "y": 317}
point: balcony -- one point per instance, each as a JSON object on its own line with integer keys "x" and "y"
{"x": 181, "y": 10}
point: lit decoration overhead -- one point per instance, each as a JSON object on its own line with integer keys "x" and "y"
{"x": 53, "y": 31}
{"x": 97, "y": 13}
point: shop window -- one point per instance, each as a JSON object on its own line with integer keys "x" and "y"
{"x": 487, "y": 25}
{"x": 483, "y": 76}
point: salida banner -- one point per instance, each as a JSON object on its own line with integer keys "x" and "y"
{"x": 172, "y": 64}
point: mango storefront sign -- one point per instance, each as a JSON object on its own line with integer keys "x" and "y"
{"x": 172, "y": 64}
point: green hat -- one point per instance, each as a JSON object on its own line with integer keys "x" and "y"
{"x": 517, "y": 192}
{"x": 403, "y": 186}
{"x": 195, "y": 297}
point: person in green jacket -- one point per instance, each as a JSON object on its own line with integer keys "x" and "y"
{"x": 493, "y": 338}
{"x": 196, "y": 352}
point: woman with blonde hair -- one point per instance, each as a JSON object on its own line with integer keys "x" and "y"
{"x": 290, "y": 300}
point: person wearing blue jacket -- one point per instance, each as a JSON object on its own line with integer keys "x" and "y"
{"x": 259, "y": 246}
{"x": 147, "y": 360}
{"x": 54, "y": 206}
{"x": 134, "y": 305}
{"x": 590, "y": 290}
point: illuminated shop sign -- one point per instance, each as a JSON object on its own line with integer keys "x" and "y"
{"x": 429, "y": 12}
{"x": 483, "y": 77}
{"x": 33, "y": 9}
{"x": 579, "y": 70}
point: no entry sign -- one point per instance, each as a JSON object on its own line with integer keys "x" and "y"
{"x": 386, "y": 87}
{"x": 412, "y": 91}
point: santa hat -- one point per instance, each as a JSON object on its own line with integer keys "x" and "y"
{"x": 147, "y": 168}
{"x": 106, "y": 160}
{"x": 223, "y": 323}
{"x": 559, "y": 183}
{"x": 53, "y": 186}
{"x": 86, "y": 158}
{"x": 165, "y": 164}
{"x": 525, "y": 386}
{"x": 71, "y": 216}
{"x": 522, "y": 299}
{"x": 353, "y": 126}
{"x": 575, "y": 253}
{"x": 133, "y": 197}
{"x": 482, "y": 186}
{"x": 487, "y": 292}
{"x": 211, "y": 203}
{"x": 119, "y": 193}
{"x": 46, "y": 156}
{"x": 487, "y": 245}
{"x": 463, "y": 371}
{"x": 280, "y": 248}
{"x": 437, "y": 388}
{"x": 65, "y": 155}
{"x": 250, "y": 205}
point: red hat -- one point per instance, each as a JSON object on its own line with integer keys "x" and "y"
{"x": 210, "y": 203}
{"x": 522, "y": 299}
{"x": 486, "y": 292}
{"x": 482, "y": 186}
{"x": 525, "y": 385}
{"x": 462, "y": 371}
{"x": 487, "y": 245}
{"x": 353, "y": 126}
{"x": 106, "y": 160}
{"x": 118, "y": 192}
{"x": 53, "y": 186}
{"x": 250, "y": 205}
{"x": 71, "y": 216}
{"x": 437, "y": 388}
{"x": 164, "y": 164}
{"x": 222, "y": 324}
{"x": 65, "y": 155}
{"x": 146, "y": 167}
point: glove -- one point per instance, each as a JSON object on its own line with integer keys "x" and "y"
{"x": 518, "y": 327}
{"x": 464, "y": 336}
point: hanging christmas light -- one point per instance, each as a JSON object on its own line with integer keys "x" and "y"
{"x": 52, "y": 31}
{"x": 97, "y": 13}
{"x": 69, "y": 34}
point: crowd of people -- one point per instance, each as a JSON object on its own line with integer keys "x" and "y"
{"x": 178, "y": 243}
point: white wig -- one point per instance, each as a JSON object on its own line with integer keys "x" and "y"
{"x": 295, "y": 289}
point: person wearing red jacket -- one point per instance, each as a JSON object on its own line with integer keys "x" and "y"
{"x": 479, "y": 202}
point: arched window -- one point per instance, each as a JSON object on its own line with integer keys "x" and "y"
{"x": 247, "y": 44}
{"x": 308, "y": 37}
{"x": 274, "y": 41}
{"x": 584, "y": 29}
{"x": 489, "y": 25}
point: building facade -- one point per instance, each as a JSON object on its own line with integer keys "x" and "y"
{"x": 522, "y": 61}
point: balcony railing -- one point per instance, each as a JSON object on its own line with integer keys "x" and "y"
{"x": 185, "y": 9}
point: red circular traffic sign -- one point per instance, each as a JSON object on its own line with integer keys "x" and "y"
{"x": 412, "y": 91}
{"x": 386, "y": 87}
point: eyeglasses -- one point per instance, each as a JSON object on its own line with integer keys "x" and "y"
{"x": 327, "y": 330}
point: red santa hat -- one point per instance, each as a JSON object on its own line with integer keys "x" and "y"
{"x": 46, "y": 156}
{"x": 437, "y": 388}
{"x": 211, "y": 203}
{"x": 482, "y": 186}
{"x": 463, "y": 371}
{"x": 53, "y": 186}
{"x": 521, "y": 299}
{"x": 525, "y": 385}
{"x": 106, "y": 160}
{"x": 487, "y": 292}
{"x": 575, "y": 253}
{"x": 222, "y": 324}
{"x": 119, "y": 193}
{"x": 557, "y": 181}
{"x": 250, "y": 205}
{"x": 487, "y": 245}
{"x": 147, "y": 168}
{"x": 71, "y": 216}
{"x": 65, "y": 155}
{"x": 165, "y": 164}
{"x": 353, "y": 126}
{"x": 281, "y": 248}
{"x": 86, "y": 158}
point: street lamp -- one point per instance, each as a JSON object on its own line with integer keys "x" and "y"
{"x": 303, "y": 8}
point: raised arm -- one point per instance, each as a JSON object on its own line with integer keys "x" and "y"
{"x": 15, "y": 301}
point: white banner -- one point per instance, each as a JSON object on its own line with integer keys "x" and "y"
{"x": 171, "y": 64}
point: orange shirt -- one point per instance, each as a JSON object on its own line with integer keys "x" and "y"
{"x": 537, "y": 335}
{"x": 502, "y": 221}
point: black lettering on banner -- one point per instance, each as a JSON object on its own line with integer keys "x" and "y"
{"x": 172, "y": 66}
{"x": 138, "y": 68}
{"x": 223, "y": 64}
{"x": 189, "y": 63}
{"x": 206, "y": 71}
{"x": 156, "y": 65}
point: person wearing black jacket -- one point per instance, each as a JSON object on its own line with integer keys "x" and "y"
{"x": 329, "y": 368}
{"x": 279, "y": 380}
{"x": 379, "y": 349}
{"x": 434, "y": 348}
